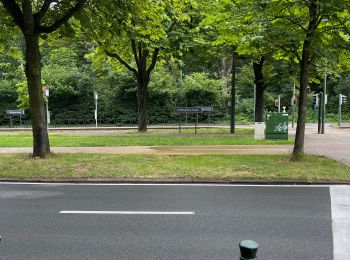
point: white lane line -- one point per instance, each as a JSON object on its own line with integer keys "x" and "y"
{"x": 127, "y": 212}
{"x": 165, "y": 184}
{"x": 340, "y": 198}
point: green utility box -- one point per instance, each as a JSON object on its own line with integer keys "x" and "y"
{"x": 276, "y": 125}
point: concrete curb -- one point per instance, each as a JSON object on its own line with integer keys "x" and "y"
{"x": 172, "y": 181}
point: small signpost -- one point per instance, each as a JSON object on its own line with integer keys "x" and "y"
{"x": 15, "y": 112}
{"x": 96, "y": 98}
{"x": 193, "y": 110}
{"x": 342, "y": 100}
{"x": 47, "y": 94}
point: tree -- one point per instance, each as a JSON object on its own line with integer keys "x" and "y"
{"x": 135, "y": 35}
{"x": 238, "y": 28}
{"x": 305, "y": 32}
{"x": 35, "y": 18}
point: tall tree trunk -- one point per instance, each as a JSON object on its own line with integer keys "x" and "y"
{"x": 302, "y": 109}
{"x": 41, "y": 145}
{"x": 142, "y": 91}
{"x": 304, "y": 78}
{"x": 31, "y": 27}
{"x": 260, "y": 89}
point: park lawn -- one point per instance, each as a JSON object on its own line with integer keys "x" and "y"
{"x": 85, "y": 140}
{"x": 172, "y": 167}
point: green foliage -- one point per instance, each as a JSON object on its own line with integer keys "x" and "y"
{"x": 196, "y": 39}
{"x": 23, "y": 97}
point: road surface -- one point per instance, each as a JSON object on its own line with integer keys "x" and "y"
{"x": 148, "y": 221}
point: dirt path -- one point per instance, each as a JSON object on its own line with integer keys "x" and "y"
{"x": 168, "y": 150}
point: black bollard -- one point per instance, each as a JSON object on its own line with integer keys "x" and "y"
{"x": 248, "y": 249}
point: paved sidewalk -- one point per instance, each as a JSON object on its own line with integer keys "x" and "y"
{"x": 335, "y": 143}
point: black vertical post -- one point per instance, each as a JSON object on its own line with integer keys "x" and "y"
{"x": 233, "y": 93}
{"x": 195, "y": 126}
{"x": 179, "y": 124}
{"x": 320, "y": 98}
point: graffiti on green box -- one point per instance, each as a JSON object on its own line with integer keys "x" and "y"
{"x": 281, "y": 127}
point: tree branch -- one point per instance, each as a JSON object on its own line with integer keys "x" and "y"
{"x": 115, "y": 55}
{"x": 154, "y": 61}
{"x": 43, "y": 10}
{"x": 78, "y": 7}
{"x": 15, "y": 12}
{"x": 134, "y": 51}
{"x": 292, "y": 21}
{"x": 140, "y": 53}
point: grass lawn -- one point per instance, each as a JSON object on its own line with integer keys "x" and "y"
{"x": 195, "y": 167}
{"x": 130, "y": 138}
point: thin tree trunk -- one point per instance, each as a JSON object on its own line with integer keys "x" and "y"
{"x": 259, "y": 104}
{"x": 302, "y": 109}
{"x": 260, "y": 89}
{"x": 142, "y": 92}
{"x": 41, "y": 146}
{"x": 305, "y": 61}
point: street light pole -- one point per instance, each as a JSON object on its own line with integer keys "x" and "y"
{"x": 324, "y": 100}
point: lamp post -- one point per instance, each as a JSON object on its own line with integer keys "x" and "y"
{"x": 324, "y": 102}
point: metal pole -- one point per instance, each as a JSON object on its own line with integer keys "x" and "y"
{"x": 96, "y": 112}
{"x": 293, "y": 106}
{"x": 47, "y": 112}
{"x": 254, "y": 118}
{"x": 180, "y": 125}
{"x": 233, "y": 94}
{"x": 320, "y": 113}
{"x": 324, "y": 103}
{"x": 195, "y": 126}
{"x": 340, "y": 103}
{"x": 279, "y": 103}
{"x": 47, "y": 94}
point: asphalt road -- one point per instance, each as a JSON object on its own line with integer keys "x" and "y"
{"x": 287, "y": 222}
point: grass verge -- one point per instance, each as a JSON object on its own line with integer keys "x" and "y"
{"x": 153, "y": 167}
{"x": 244, "y": 137}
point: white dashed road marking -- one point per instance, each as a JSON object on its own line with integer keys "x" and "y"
{"x": 128, "y": 212}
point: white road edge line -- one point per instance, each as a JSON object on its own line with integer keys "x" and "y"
{"x": 101, "y": 212}
{"x": 340, "y": 200}
{"x": 163, "y": 184}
